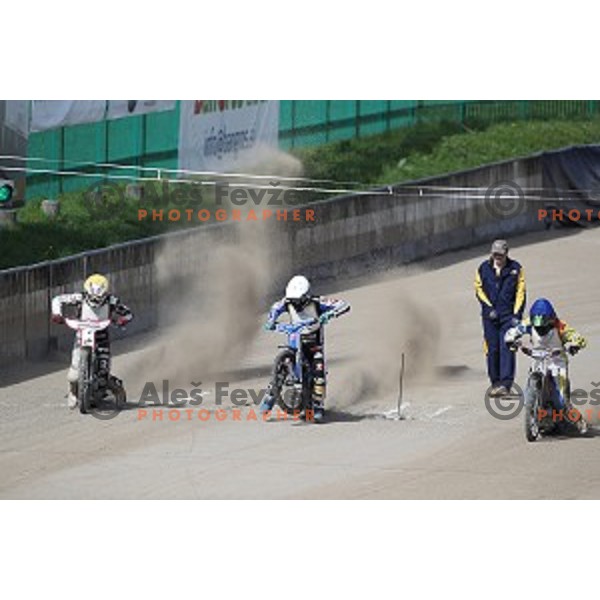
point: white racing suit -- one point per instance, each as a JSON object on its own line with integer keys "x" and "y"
{"x": 111, "y": 308}
{"x": 321, "y": 309}
{"x": 560, "y": 336}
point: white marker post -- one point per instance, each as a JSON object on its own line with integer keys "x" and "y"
{"x": 396, "y": 415}
{"x": 401, "y": 387}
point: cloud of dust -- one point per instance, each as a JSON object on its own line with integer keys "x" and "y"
{"x": 212, "y": 304}
{"x": 391, "y": 324}
{"x": 213, "y": 291}
{"x": 266, "y": 160}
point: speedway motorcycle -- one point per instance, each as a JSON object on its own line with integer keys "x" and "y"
{"x": 93, "y": 383}
{"x": 542, "y": 398}
{"x": 292, "y": 372}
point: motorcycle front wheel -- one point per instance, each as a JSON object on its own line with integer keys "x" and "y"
{"x": 84, "y": 384}
{"x": 532, "y": 406}
{"x": 289, "y": 397}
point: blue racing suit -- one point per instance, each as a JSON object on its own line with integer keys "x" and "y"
{"x": 322, "y": 309}
{"x": 502, "y": 298}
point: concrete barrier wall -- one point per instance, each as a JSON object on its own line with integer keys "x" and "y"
{"x": 363, "y": 232}
{"x": 350, "y": 235}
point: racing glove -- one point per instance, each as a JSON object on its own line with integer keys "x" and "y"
{"x": 269, "y": 326}
{"x": 58, "y": 319}
{"x": 325, "y": 318}
{"x": 572, "y": 349}
{"x": 514, "y": 345}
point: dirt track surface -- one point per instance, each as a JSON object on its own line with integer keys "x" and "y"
{"x": 448, "y": 447}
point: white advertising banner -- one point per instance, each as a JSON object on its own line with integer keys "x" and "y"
{"x": 127, "y": 108}
{"x": 50, "y": 114}
{"x": 225, "y": 135}
{"x": 17, "y": 115}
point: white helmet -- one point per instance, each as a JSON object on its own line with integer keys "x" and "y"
{"x": 297, "y": 290}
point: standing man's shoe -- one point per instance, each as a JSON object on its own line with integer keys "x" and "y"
{"x": 498, "y": 390}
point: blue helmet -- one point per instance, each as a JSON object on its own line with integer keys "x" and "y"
{"x": 542, "y": 316}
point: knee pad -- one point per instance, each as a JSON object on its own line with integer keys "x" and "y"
{"x": 319, "y": 388}
{"x": 103, "y": 366}
{"x": 319, "y": 363}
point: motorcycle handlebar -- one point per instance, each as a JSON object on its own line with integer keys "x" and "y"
{"x": 294, "y": 327}
{"x": 550, "y": 352}
{"x": 98, "y": 325}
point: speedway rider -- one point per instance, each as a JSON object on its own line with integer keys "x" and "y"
{"x": 300, "y": 305}
{"x": 93, "y": 303}
{"x": 549, "y": 332}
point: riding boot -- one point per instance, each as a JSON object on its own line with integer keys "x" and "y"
{"x": 72, "y": 395}
{"x": 269, "y": 400}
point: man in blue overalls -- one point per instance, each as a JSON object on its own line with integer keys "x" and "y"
{"x": 500, "y": 289}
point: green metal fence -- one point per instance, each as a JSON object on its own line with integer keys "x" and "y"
{"x": 151, "y": 140}
{"x": 148, "y": 140}
{"x": 312, "y": 122}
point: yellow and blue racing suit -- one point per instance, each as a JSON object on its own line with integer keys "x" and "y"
{"x": 560, "y": 336}
{"x": 502, "y": 298}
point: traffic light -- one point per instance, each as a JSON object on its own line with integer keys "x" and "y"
{"x": 6, "y": 191}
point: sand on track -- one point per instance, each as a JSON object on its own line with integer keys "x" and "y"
{"x": 449, "y": 447}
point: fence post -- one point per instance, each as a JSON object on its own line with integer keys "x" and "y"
{"x": 49, "y": 347}
{"x": 524, "y": 109}
{"x": 142, "y": 155}
{"x": 61, "y": 158}
{"x": 388, "y": 115}
{"x": 106, "y": 149}
{"x": 293, "y": 123}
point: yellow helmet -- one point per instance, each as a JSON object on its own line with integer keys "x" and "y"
{"x": 96, "y": 289}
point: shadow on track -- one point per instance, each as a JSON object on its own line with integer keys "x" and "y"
{"x": 570, "y": 434}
